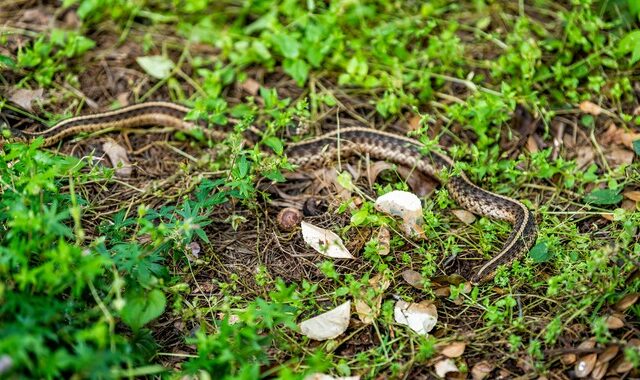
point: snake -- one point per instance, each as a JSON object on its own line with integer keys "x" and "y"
{"x": 339, "y": 143}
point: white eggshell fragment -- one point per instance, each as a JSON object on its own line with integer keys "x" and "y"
{"x": 328, "y": 325}
{"x": 405, "y": 205}
{"x": 324, "y": 241}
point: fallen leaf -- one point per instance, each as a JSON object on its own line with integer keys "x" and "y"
{"x": 443, "y": 367}
{"x": 532, "y": 145}
{"x": 613, "y": 322}
{"x": 584, "y": 156}
{"x": 599, "y": 370}
{"x": 119, "y": 160}
{"x": 322, "y": 376}
{"x": 405, "y": 205}
{"x": 373, "y": 171}
{"x": 622, "y": 365}
{"x": 465, "y": 216}
{"x": 619, "y": 136}
{"x": 626, "y": 302}
{"x": 453, "y": 350}
{"x": 420, "y": 317}
{"x": 481, "y": 370}
{"x": 384, "y": 241}
{"x": 413, "y": 278}
{"x": 617, "y": 156}
{"x": 587, "y": 344}
{"x": 327, "y": 325}
{"x": 443, "y": 291}
{"x": 568, "y": 359}
{"x": 609, "y": 353}
{"x": 633, "y": 195}
{"x": 420, "y": 184}
{"x": 590, "y": 108}
{"x": 157, "y": 66}
{"x": 585, "y": 365}
{"x": 24, "y": 98}
{"x": 414, "y": 122}
{"x": 251, "y": 86}
{"x": 324, "y": 241}
{"x": 368, "y": 310}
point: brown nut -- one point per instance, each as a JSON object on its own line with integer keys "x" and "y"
{"x": 289, "y": 218}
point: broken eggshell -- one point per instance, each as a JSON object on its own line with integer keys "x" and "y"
{"x": 405, "y": 205}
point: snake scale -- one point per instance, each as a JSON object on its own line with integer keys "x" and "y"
{"x": 313, "y": 152}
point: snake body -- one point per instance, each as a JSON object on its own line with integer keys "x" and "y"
{"x": 314, "y": 152}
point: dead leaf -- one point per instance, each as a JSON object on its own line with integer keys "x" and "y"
{"x": 368, "y": 310}
{"x": 629, "y": 205}
{"x": 420, "y": 184}
{"x": 324, "y": 241}
{"x": 443, "y": 291}
{"x": 405, "y": 205}
{"x": 613, "y": 322}
{"x": 587, "y": 344}
{"x": 24, "y": 98}
{"x": 622, "y": 365}
{"x": 617, "y": 156}
{"x": 384, "y": 241}
{"x": 584, "y": 156}
{"x": 373, "y": 171}
{"x": 590, "y": 108}
{"x": 532, "y": 145}
{"x": 251, "y": 86}
{"x": 626, "y": 302}
{"x": 413, "y": 278}
{"x": 322, "y": 376}
{"x": 568, "y": 359}
{"x": 420, "y": 317}
{"x": 453, "y": 350}
{"x": 119, "y": 160}
{"x": 633, "y": 195}
{"x": 585, "y": 365}
{"x": 609, "y": 353}
{"x": 465, "y": 216}
{"x": 618, "y": 136}
{"x": 327, "y": 325}
{"x": 414, "y": 122}
{"x": 599, "y": 370}
{"x": 481, "y": 370}
{"x": 443, "y": 367}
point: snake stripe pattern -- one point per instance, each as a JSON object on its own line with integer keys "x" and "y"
{"x": 315, "y": 152}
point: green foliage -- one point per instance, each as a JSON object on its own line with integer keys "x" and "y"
{"x": 48, "y": 56}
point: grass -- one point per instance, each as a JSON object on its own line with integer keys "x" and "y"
{"x": 182, "y": 270}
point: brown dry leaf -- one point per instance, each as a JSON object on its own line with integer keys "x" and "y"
{"x": 590, "y": 108}
{"x": 481, "y": 370}
{"x": 24, "y": 98}
{"x": 615, "y": 135}
{"x": 420, "y": 184}
{"x": 587, "y": 344}
{"x": 585, "y": 365}
{"x": 453, "y": 350}
{"x": 568, "y": 359}
{"x": 443, "y": 291}
{"x": 384, "y": 241}
{"x": 618, "y": 156}
{"x": 532, "y": 145}
{"x": 584, "y": 156}
{"x": 626, "y": 302}
{"x": 608, "y": 216}
{"x": 443, "y": 367}
{"x": 374, "y": 170}
{"x": 413, "y": 278}
{"x": 629, "y": 205}
{"x": 599, "y": 370}
{"x": 368, "y": 310}
{"x": 123, "y": 99}
{"x": 613, "y": 322}
{"x": 119, "y": 160}
{"x": 251, "y": 86}
{"x": 608, "y": 354}
{"x": 465, "y": 216}
{"x": 414, "y": 122}
{"x": 322, "y": 376}
{"x": 634, "y": 195}
{"x": 622, "y": 365}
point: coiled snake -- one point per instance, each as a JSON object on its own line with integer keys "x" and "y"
{"x": 348, "y": 141}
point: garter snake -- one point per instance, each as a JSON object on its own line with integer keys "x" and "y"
{"x": 313, "y": 152}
